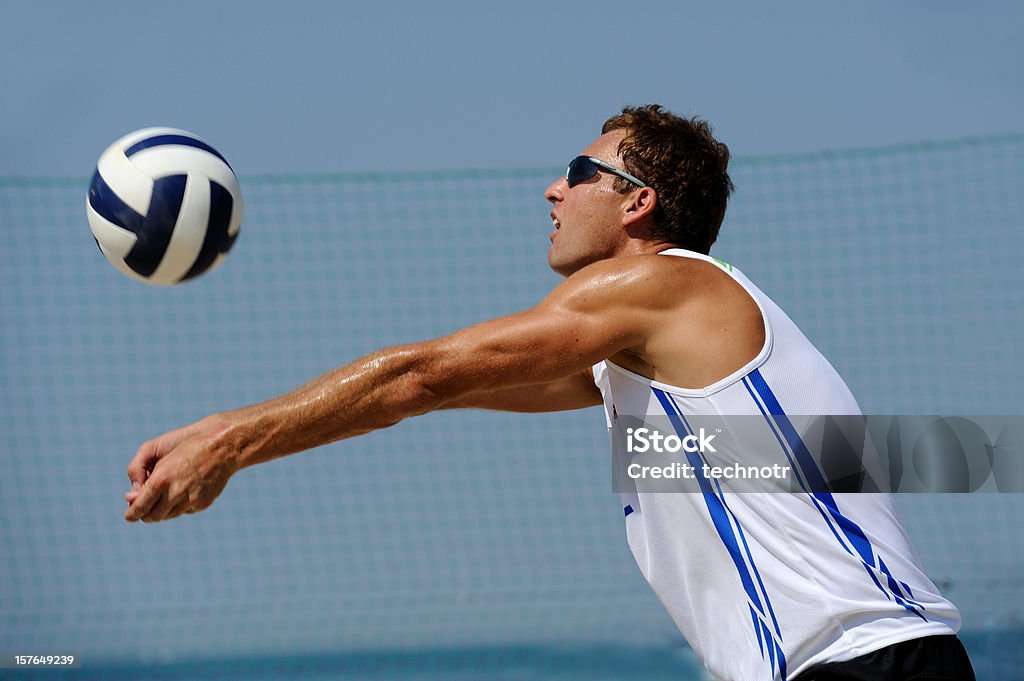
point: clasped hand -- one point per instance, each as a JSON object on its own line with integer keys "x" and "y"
{"x": 179, "y": 472}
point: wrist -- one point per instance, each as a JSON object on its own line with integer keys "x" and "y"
{"x": 234, "y": 439}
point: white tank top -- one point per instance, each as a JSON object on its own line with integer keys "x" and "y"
{"x": 764, "y": 585}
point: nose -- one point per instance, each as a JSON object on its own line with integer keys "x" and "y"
{"x": 556, "y": 190}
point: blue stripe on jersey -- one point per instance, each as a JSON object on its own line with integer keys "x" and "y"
{"x": 850, "y": 529}
{"x": 895, "y": 586}
{"x": 627, "y": 510}
{"x": 796, "y": 468}
{"x": 715, "y": 506}
{"x": 739, "y": 528}
{"x": 177, "y": 140}
{"x": 804, "y": 458}
{"x": 757, "y": 629}
{"x": 771, "y": 648}
{"x": 720, "y": 517}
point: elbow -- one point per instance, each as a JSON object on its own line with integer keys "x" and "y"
{"x": 417, "y": 394}
{"x": 424, "y": 384}
{"x": 424, "y": 377}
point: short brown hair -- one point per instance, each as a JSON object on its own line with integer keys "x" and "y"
{"x": 684, "y": 164}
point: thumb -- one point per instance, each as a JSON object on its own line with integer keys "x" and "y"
{"x": 143, "y": 462}
{"x": 133, "y": 493}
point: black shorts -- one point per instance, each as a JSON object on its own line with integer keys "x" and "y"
{"x": 933, "y": 658}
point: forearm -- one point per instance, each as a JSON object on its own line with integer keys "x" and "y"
{"x": 374, "y": 392}
{"x": 558, "y": 339}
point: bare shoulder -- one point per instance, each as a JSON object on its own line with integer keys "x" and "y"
{"x": 692, "y": 324}
{"x": 639, "y": 281}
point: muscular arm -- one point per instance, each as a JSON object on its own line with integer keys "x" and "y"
{"x": 572, "y": 392}
{"x": 500, "y": 363}
{"x": 593, "y": 314}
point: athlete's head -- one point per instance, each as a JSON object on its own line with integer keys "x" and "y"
{"x": 684, "y": 164}
{"x": 592, "y": 219}
{"x": 651, "y": 179}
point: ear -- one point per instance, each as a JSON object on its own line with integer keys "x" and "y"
{"x": 638, "y": 207}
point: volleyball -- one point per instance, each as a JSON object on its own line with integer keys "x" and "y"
{"x": 164, "y": 206}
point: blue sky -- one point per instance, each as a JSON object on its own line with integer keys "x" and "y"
{"x": 322, "y": 86}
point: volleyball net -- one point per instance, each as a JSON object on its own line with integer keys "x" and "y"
{"x": 458, "y": 532}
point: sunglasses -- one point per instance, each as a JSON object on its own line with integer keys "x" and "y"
{"x": 585, "y": 167}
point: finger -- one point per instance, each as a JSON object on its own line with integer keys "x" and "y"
{"x": 143, "y": 462}
{"x": 179, "y": 509}
{"x": 133, "y": 493}
{"x": 151, "y": 451}
{"x": 148, "y": 497}
{"x": 159, "y": 511}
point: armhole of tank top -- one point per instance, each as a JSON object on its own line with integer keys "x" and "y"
{"x": 735, "y": 376}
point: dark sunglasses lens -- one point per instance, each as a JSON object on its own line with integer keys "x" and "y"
{"x": 580, "y": 168}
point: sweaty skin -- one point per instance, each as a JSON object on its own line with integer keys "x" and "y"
{"x": 676, "y": 320}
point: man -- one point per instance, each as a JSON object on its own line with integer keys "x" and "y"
{"x": 772, "y": 586}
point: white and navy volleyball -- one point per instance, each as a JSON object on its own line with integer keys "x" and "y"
{"x": 164, "y": 206}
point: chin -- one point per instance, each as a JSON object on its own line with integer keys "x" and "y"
{"x": 560, "y": 267}
{"x": 565, "y": 270}
{"x": 567, "y": 267}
